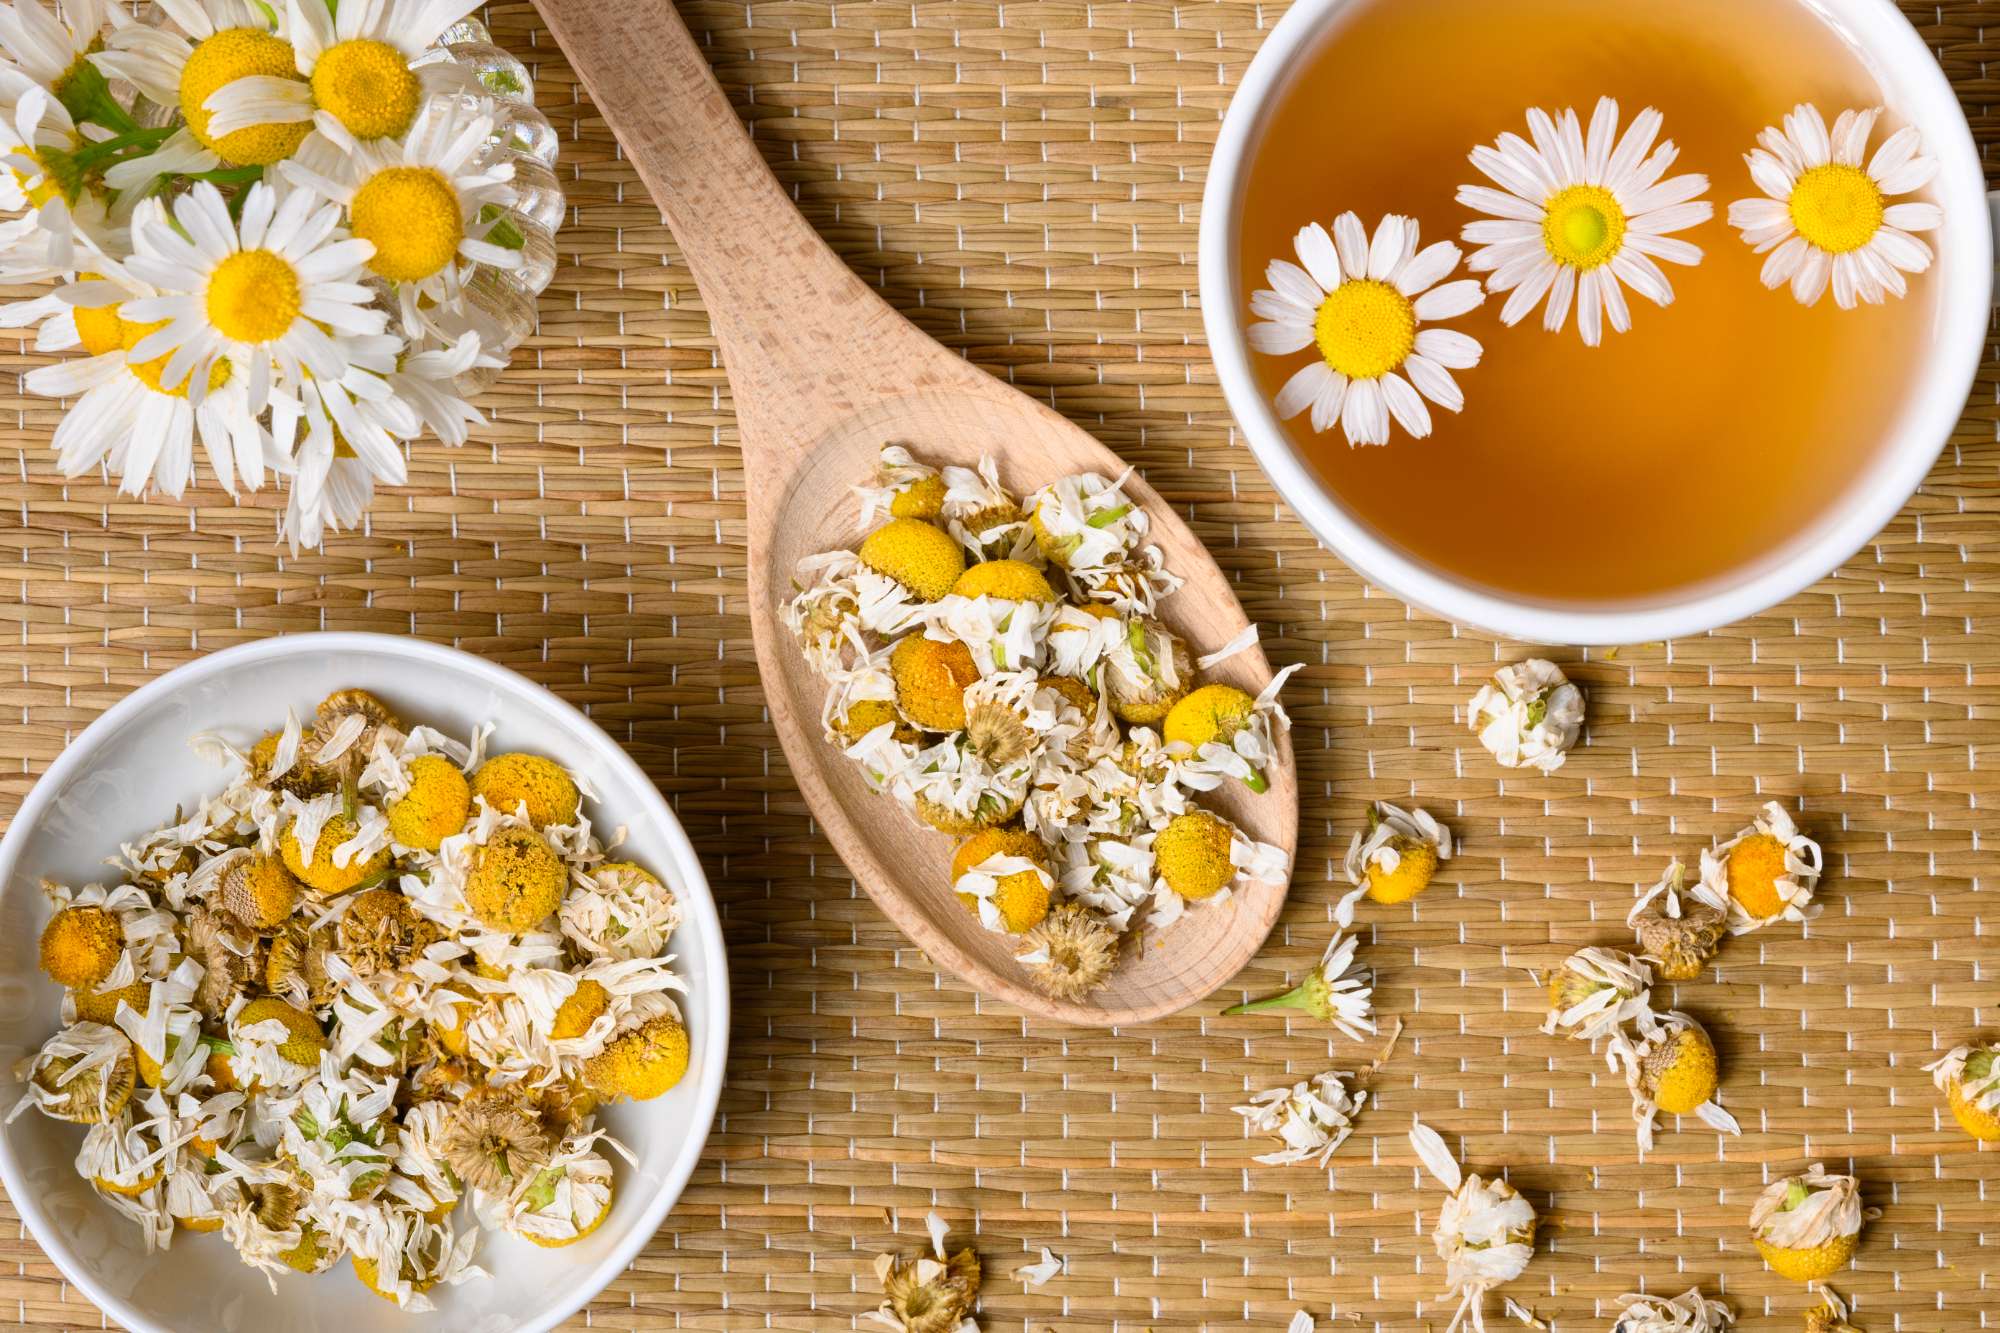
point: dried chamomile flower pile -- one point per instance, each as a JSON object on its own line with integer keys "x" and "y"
{"x": 378, "y": 974}
{"x": 998, "y": 667}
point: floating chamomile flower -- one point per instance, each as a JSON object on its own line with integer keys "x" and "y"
{"x": 902, "y": 487}
{"x": 928, "y": 1294}
{"x": 1485, "y": 1231}
{"x": 1669, "y": 1065}
{"x": 278, "y": 293}
{"x": 1579, "y": 218}
{"x": 1765, "y": 873}
{"x": 1595, "y": 991}
{"x": 1677, "y": 932}
{"x": 1313, "y": 1117}
{"x": 1361, "y": 303}
{"x": 1335, "y": 992}
{"x": 1070, "y": 952}
{"x": 1689, "y": 1312}
{"x": 1395, "y": 860}
{"x": 1807, "y": 1226}
{"x": 1969, "y": 1078}
{"x": 1827, "y": 220}
{"x": 1528, "y": 715}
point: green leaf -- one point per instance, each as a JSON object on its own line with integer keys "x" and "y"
{"x": 503, "y": 232}
{"x": 543, "y": 1192}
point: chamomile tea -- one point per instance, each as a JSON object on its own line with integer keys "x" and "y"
{"x": 1710, "y": 432}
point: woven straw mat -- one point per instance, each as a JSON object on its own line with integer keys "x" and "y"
{"x": 1023, "y": 180}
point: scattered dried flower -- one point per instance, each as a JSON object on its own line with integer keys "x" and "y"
{"x": 1528, "y": 715}
{"x": 1765, "y": 873}
{"x": 1678, "y": 933}
{"x": 1595, "y": 991}
{"x": 1670, "y": 1065}
{"x": 1313, "y": 1117}
{"x": 1689, "y": 1312}
{"x": 928, "y": 1294}
{"x": 1485, "y": 1231}
{"x": 1332, "y": 992}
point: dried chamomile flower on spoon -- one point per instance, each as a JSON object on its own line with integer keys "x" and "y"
{"x": 1595, "y": 991}
{"x": 1689, "y": 1312}
{"x": 1969, "y": 1078}
{"x": 928, "y": 1294}
{"x": 1670, "y": 1066}
{"x": 1765, "y": 873}
{"x": 1485, "y": 1231}
{"x": 1332, "y": 992}
{"x": 1395, "y": 860}
{"x": 1676, "y": 932}
{"x": 1807, "y": 1226}
{"x": 902, "y": 487}
{"x": 1528, "y": 715}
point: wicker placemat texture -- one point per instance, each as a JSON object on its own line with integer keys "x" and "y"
{"x": 1024, "y": 180}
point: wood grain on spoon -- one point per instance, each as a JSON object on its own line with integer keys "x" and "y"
{"x": 823, "y": 372}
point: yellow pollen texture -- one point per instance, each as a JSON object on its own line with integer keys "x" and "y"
{"x": 411, "y": 215}
{"x": 253, "y": 296}
{"x": 232, "y": 54}
{"x": 1365, "y": 329}
{"x": 1584, "y": 226}
{"x": 368, "y": 87}
{"x": 1755, "y": 866}
{"x": 150, "y": 373}
{"x": 1837, "y": 208}
{"x": 98, "y": 328}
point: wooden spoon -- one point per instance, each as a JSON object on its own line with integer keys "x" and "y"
{"x": 823, "y": 373}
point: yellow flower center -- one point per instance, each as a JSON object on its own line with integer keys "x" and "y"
{"x": 98, "y": 328}
{"x": 1584, "y": 226}
{"x": 412, "y": 216}
{"x": 1837, "y": 208}
{"x": 232, "y": 54}
{"x": 1365, "y": 328}
{"x": 151, "y": 372}
{"x": 253, "y": 296}
{"x": 368, "y": 87}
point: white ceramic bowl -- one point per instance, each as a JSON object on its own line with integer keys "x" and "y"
{"x": 124, "y": 775}
{"x": 1913, "y": 85}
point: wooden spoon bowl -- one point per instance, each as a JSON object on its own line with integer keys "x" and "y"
{"x": 824, "y": 373}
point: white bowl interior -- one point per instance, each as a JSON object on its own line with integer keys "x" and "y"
{"x": 126, "y": 775}
{"x": 1912, "y": 85}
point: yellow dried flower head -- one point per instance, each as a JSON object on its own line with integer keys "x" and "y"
{"x": 1072, "y": 951}
{"x": 864, "y": 715}
{"x": 1679, "y": 932}
{"x": 1151, "y": 674}
{"x": 920, "y": 556}
{"x": 1211, "y": 713}
{"x": 1022, "y": 898}
{"x": 1808, "y": 1226}
{"x": 922, "y": 498}
{"x": 1008, "y": 580}
{"x": 994, "y": 809}
{"x": 1192, "y": 853}
{"x": 509, "y": 781}
{"x": 303, "y": 779}
{"x": 1755, "y": 865}
{"x": 380, "y": 932}
{"x": 96, "y": 1095}
{"x": 580, "y": 1010}
{"x": 295, "y": 967}
{"x": 305, "y": 1042}
{"x": 516, "y": 881}
{"x": 320, "y": 874}
{"x": 564, "y": 1105}
{"x": 231, "y": 958}
{"x": 931, "y": 677}
{"x": 641, "y": 1063}
{"x": 259, "y": 891}
{"x": 1681, "y": 1073}
{"x": 547, "y": 1181}
{"x": 94, "y": 1006}
{"x": 80, "y": 946}
{"x": 435, "y": 806}
{"x": 926, "y": 1294}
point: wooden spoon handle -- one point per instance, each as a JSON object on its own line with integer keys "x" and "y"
{"x": 803, "y": 338}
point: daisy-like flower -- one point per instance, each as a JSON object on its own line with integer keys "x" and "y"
{"x": 1578, "y": 218}
{"x": 1669, "y": 1065}
{"x": 984, "y": 517}
{"x": 357, "y": 83}
{"x": 1528, "y": 715}
{"x": 1765, "y": 873}
{"x": 902, "y": 487}
{"x": 1070, "y": 952}
{"x": 1969, "y": 1078}
{"x": 1394, "y": 861}
{"x": 1689, "y": 1312}
{"x": 279, "y": 294}
{"x": 418, "y": 200}
{"x": 1485, "y": 1231}
{"x": 1313, "y": 1117}
{"x": 1595, "y": 991}
{"x": 1678, "y": 933}
{"x": 1335, "y": 992}
{"x": 41, "y": 181}
{"x": 1807, "y": 1226}
{"x": 933, "y": 1293}
{"x": 1826, "y": 219}
{"x": 1361, "y": 302}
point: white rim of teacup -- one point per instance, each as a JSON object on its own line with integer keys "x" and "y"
{"x": 708, "y": 1092}
{"x": 1882, "y": 39}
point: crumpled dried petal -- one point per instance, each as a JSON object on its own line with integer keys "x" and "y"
{"x": 1830, "y": 1209}
{"x": 1528, "y": 715}
{"x": 1596, "y": 990}
{"x": 1313, "y": 1117}
{"x": 1678, "y": 932}
{"x": 1689, "y": 1312}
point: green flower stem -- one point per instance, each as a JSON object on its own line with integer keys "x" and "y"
{"x": 1294, "y": 998}
{"x": 1256, "y": 782}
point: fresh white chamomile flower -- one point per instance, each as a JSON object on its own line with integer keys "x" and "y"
{"x": 1826, "y": 219}
{"x": 279, "y": 294}
{"x": 49, "y": 45}
{"x": 419, "y": 200}
{"x": 1581, "y": 216}
{"x": 1528, "y": 715}
{"x": 1361, "y": 302}
{"x": 427, "y": 379}
{"x": 200, "y": 47}
{"x": 37, "y": 138}
{"x": 127, "y": 416}
{"x": 359, "y": 84}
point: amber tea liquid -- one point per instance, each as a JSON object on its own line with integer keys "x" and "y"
{"x": 1675, "y": 455}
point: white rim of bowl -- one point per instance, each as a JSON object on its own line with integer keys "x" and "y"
{"x": 706, "y": 921}
{"x": 1871, "y": 502}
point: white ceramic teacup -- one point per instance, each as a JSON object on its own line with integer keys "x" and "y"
{"x": 1912, "y": 85}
